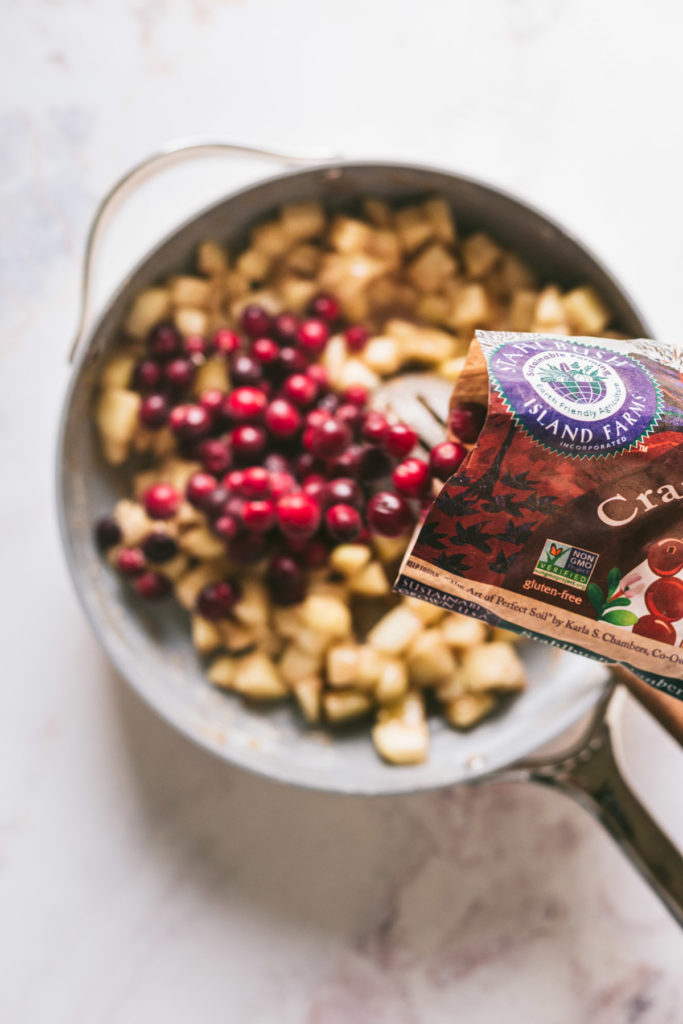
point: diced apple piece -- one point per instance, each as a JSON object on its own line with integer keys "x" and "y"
{"x": 188, "y": 587}
{"x": 206, "y": 635}
{"x": 516, "y": 274}
{"x": 190, "y": 320}
{"x": 190, "y": 291}
{"x": 116, "y": 416}
{"x": 349, "y": 559}
{"x": 236, "y": 285}
{"x": 377, "y": 212}
{"x": 370, "y": 667}
{"x": 328, "y": 614}
{"x": 212, "y": 374}
{"x": 334, "y": 358}
{"x": 395, "y": 631}
{"x": 222, "y": 672}
{"x": 257, "y": 677}
{"x": 134, "y": 523}
{"x": 414, "y": 227}
{"x": 549, "y": 308}
{"x": 498, "y": 633}
{"x": 199, "y": 542}
{"x": 432, "y": 267}
{"x": 585, "y": 311}
{"x": 389, "y": 549}
{"x": 296, "y": 292}
{"x": 345, "y": 705}
{"x": 297, "y": 664}
{"x": 461, "y": 632}
{"x": 253, "y": 607}
{"x": 494, "y": 666}
{"x": 465, "y": 711}
{"x": 355, "y": 372}
{"x": 312, "y": 640}
{"x": 451, "y": 369}
{"x": 430, "y": 661}
{"x": 149, "y": 308}
{"x": 401, "y": 735}
{"x": 470, "y": 306}
{"x": 288, "y": 621}
{"x": 187, "y": 515}
{"x": 177, "y": 471}
{"x": 212, "y": 258}
{"x": 118, "y": 369}
{"x": 385, "y": 244}
{"x": 392, "y": 683}
{"x": 175, "y": 567}
{"x": 308, "y": 693}
{"x": 521, "y": 311}
{"x": 428, "y": 614}
{"x": 271, "y": 238}
{"x": 303, "y": 259}
{"x": 370, "y": 581}
{"x": 302, "y": 220}
{"x": 480, "y": 254}
{"x": 254, "y": 265}
{"x": 342, "y": 664}
{"x": 439, "y": 214}
{"x": 383, "y": 356}
{"x": 236, "y": 637}
{"x": 348, "y": 235}
{"x": 434, "y": 307}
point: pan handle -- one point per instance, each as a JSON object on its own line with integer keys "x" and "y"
{"x": 590, "y": 773}
{"x": 174, "y": 153}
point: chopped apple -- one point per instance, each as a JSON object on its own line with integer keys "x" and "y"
{"x": 549, "y": 308}
{"x": 189, "y": 320}
{"x": 345, "y": 705}
{"x": 190, "y": 291}
{"x": 116, "y": 416}
{"x": 212, "y": 259}
{"x": 355, "y": 372}
{"x": 348, "y": 235}
{"x": 212, "y": 374}
{"x": 189, "y": 586}
{"x": 271, "y": 238}
{"x": 329, "y": 615}
{"x": 383, "y": 356}
{"x": 470, "y": 307}
{"x": 430, "y": 661}
{"x": 206, "y": 635}
{"x": 461, "y": 632}
{"x": 257, "y": 677}
{"x": 349, "y": 559}
{"x": 389, "y": 549}
{"x": 302, "y": 220}
{"x": 432, "y": 267}
{"x": 439, "y": 213}
{"x": 494, "y": 666}
{"x": 134, "y": 523}
{"x": 297, "y": 664}
{"x": 392, "y": 683}
{"x": 118, "y": 369}
{"x": 222, "y": 671}
{"x": 395, "y": 631}
{"x": 370, "y": 581}
{"x": 465, "y": 711}
{"x": 236, "y": 637}
{"x": 342, "y": 664}
{"x": 288, "y": 621}
{"x": 149, "y": 308}
{"x": 427, "y": 613}
{"x": 480, "y": 254}
{"x": 308, "y": 694}
{"x": 521, "y": 312}
{"x": 401, "y": 734}
{"x": 414, "y": 227}
{"x": 254, "y": 265}
{"x": 199, "y": 542}
{"x": 253, "y": 607}
{"x": 585, "y": 311}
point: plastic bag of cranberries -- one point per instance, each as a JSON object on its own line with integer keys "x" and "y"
{"x": 564, "y": 521}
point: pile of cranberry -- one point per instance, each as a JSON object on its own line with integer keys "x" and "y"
{"x": 289, "y": 468}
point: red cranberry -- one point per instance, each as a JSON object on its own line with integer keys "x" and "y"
{"x": 158, "y": 547}
{"x": 400, "y": 440}
{"x": 348, "y": 463}
{"x": 248, "y": 547}
{"x": 152, "y": 586}
{"x": 215, "y": 456}
{"x": 411, "y": 477}
{"x": 313, "y": 485}
{"x": 312, "y": 335}
{"x": 343, "y": 522}
{"x": 255, "y": 482}
{"x": 215, "y": 501}
{"x": 445, "y": 458}
{"x": 342, "y": 490}
{"x": 258, "y": 514}
{"x": 265, "y": 350}
{"x": 190, "y": 422}
{"x": 147, "y": 376}
{"x": 179, "y": 373}
{"x": 216, "y": 600}
{"x": 304, "y": 464}
{"x": 388, "y": 514}
{"x": 248, "y": 442}
{"x": 245, "y": 370}
{"x": 656, "y": 628}
{"x": 373, "y": 463}
{"x": 329, "y": 439}
{"x": 298, "y": 515}
{"x": 466, "y": 421}
{"x": 198, "y": 487}
{"x": 292, "y": 360}
{"x": 226, "y": 341}
{"x": 665, "y": 557}
{"x": 315, "y": 554}
{"x": 212, "y": 400}
{"x": 153, "y": 411}
{"x": 285, "y": 326}
{"x": 356, "y": 337}
{"x": 329, "y": 403}
{"x": 664, "y": 598}
{"x": 196, "y": 346}
{"x": 225, "y": 527}
{"x": 325, "y": 307}
{"x": 356, "y": 395}
{"x": 234, "y": 481}
{"x": 161, "y": 501}
{"x": 164, "y": 341}
{"x": 255, "y": 321}
{"x": 107, "y": 533}
{"x": 375, "y": 428}
{"x": 349, "y": 414}
{"x": 318, "y": 374}
{"x": 286, "y": 580}
{"x": 244, "y": 405}
{"x": 130, "y": 561}
{"x": 300, "y": 389}
{"x": 283, "y": 420}
{"x": 275, "y": 462}
{"x": 281, "y": 483}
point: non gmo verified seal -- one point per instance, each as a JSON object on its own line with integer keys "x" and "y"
{"x": 566, "y": 563}
{"x": 573, "y": 397}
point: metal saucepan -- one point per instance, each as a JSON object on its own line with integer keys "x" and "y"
{"x": 153, "y": 650}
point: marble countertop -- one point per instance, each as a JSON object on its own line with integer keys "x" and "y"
{"x": 141, "y": 880}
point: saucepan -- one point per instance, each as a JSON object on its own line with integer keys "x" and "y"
{"x": 153, "y": 651}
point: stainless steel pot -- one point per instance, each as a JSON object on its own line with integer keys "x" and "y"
{"x": 153, "y": 651}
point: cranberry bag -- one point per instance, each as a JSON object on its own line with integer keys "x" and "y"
{"x": 564, "y": 523}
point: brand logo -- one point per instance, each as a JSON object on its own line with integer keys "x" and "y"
{"x": 566, "y": 564}
{"x": 583, "y": 399}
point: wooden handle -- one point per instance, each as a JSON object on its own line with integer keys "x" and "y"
{"x": 667, "y": 710}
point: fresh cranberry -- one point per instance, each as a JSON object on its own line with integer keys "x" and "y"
{"x": 286, "y": 580}
{"x": 258, "y": 514}
{"x": 329, "y": 403}
{"x": 152, "y": 586}
{"x": 216, "y": 600}
{"x": 276, "y": 462}
{"x": 107, "y": 533}
{"x": 388, "y": 514}
{"x": 315, "y": 554}
{"x": 330, "y": 439}
{"x": 190, "y": 422}
{"x": 248, "y": 547}
{"x": 325, "y": 307}
{"x": 266, "y": 352}
{"x": 248, "y": 442}
{"x": 147, "y": 376}
{"x": 212, "y": 400}
{"x": 292, "y": 360}
{"x": 373, "y": 463}
{"x": 342, "y": 490}
{"x": 346, "y": 464}
{"x": 318, "y": 374}
{"x": 179, "y": 373}
{"x": 298, "y": 515}
{"x": 304, "y": 464}
{"x": 215, "y": 456}
{"x": 281, "y": 483}
{"x": 161, "y": 501}
{"x": 356, "y": 395}
{"x": 400, "y": 440}
{"x": 164, "y": 341}
{"x": 215, "y": 501}
{"x": 411, "y": 477}
{"x": 300, "y": 389}
{"x": 313, "y": 485}
{"x": 226, "y": 341}
{"x": 255, "y": 321}
{"x": 356, "y": 337}
{"x": 195, "y": 346}
{"x": 349, "y": 414}
{"x": 665, "y": 557}
{"x": 466, "y": 421}
{"x": 312, "y": 335}
{"x": 225, "y": 527}
{"x": 375, "y": 427}
{"x": 656, "y": 628}
{"x": 283, "y": 419}
{"x": 130, "y": 561}
{"x": 245, "y": 370}
{"x": 198, "y": 487}
{"x": 153, "y": 411}
{"x": 234, "y": 481}
{"x": 158, "y": 547}
{"x": 445, "y": 458}
{"x": 244, "y": 405}
{"x": 255, "y": 482}
{"x": 285, "y": 326}
{"x": 343, "y": 522}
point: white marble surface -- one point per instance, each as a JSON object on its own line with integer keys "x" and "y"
{"x": 139, "y": 879}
